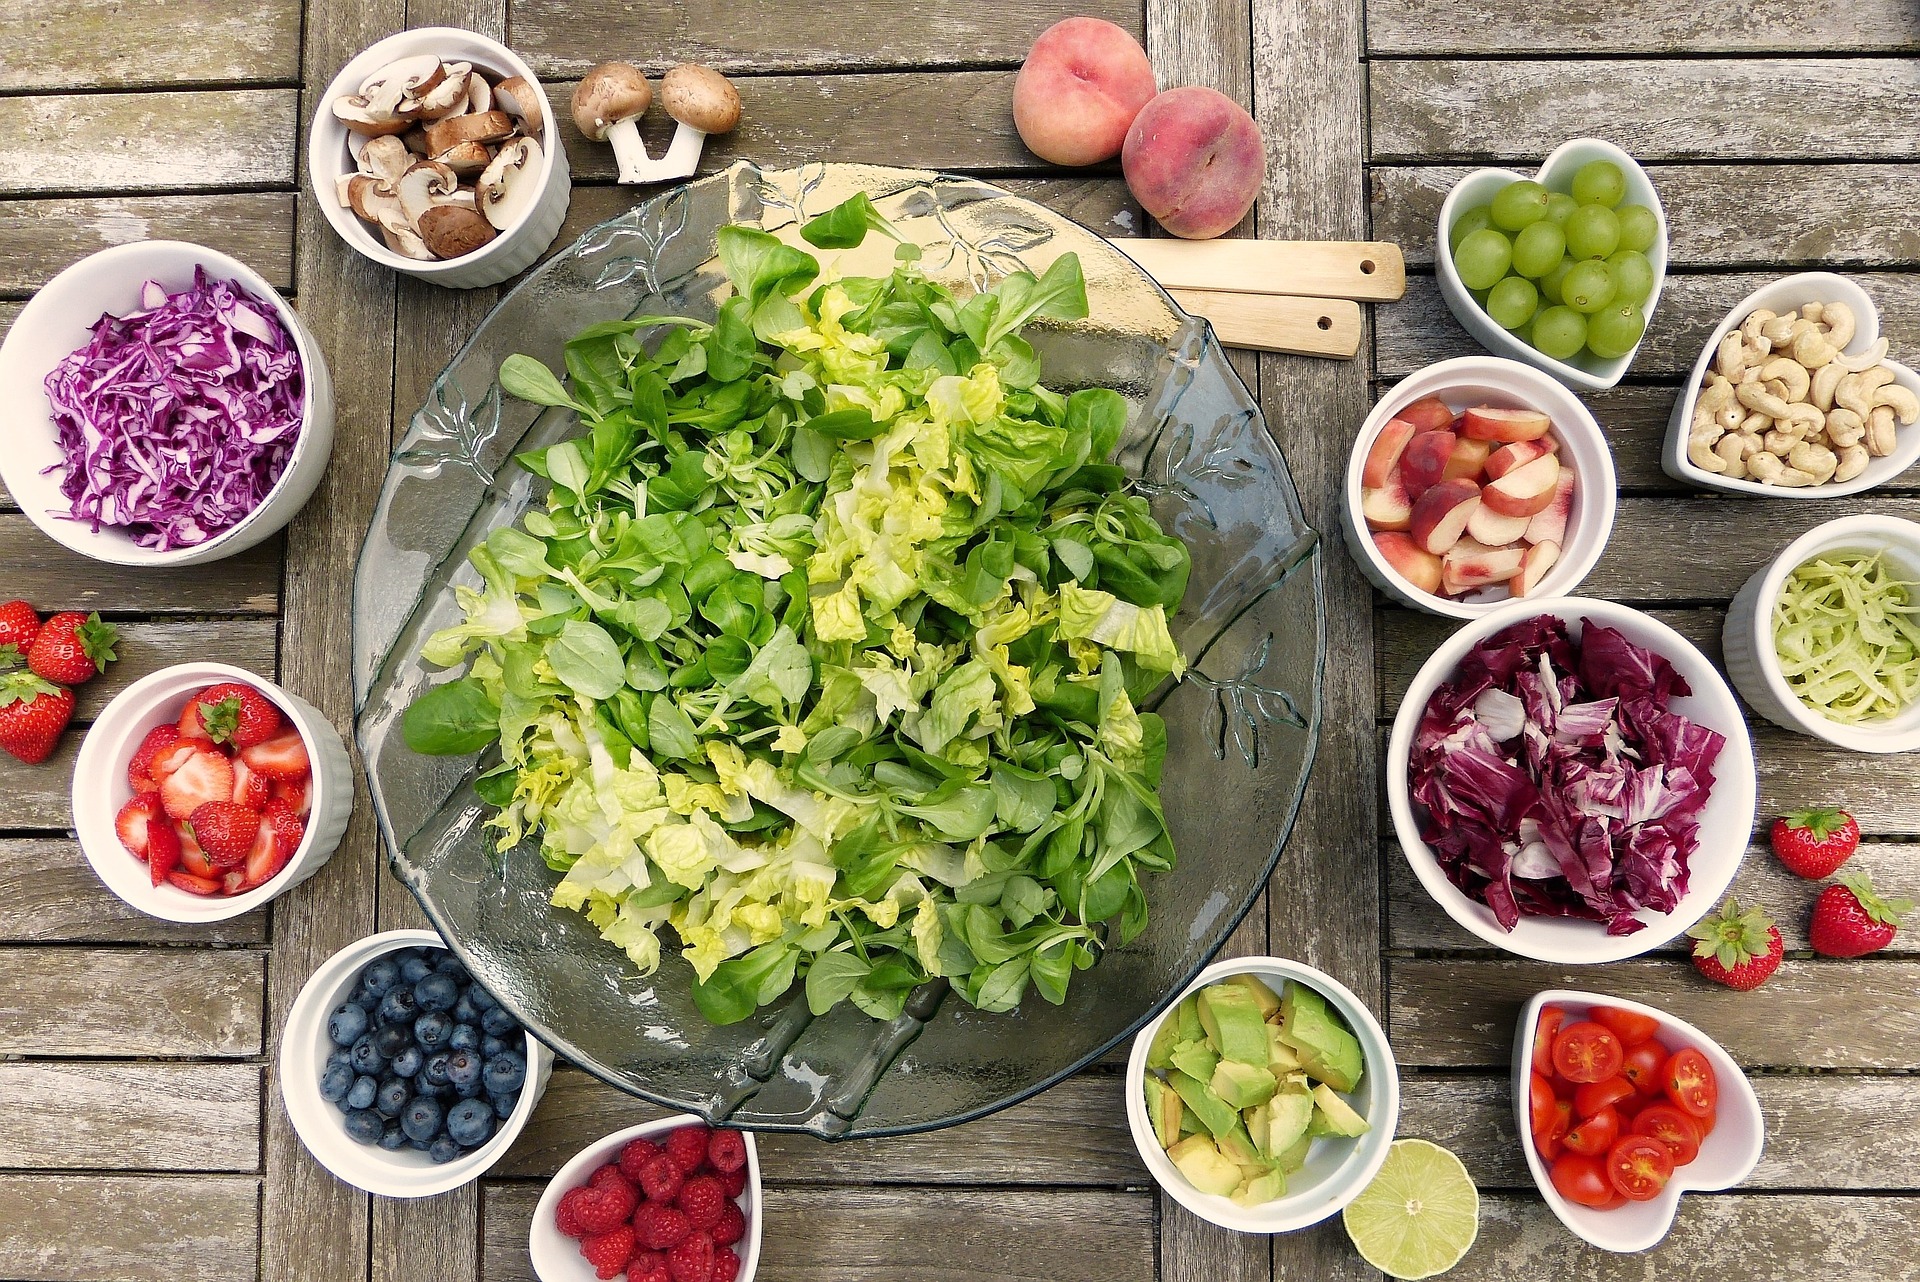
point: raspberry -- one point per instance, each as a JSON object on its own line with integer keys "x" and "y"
{"x": 661, "y": 1178}
{"x": 692, "y": 1260}
{"x": 603, "y": 1209}
{"x": 648, "y": 1266}
{"x": 634, "y": 1156}
{"x": 688, "y": 1148}
{"x": 660, "y": 1226}
{"x": 726, "y": 1266}
{"x": 701, "y": 1198}
{"x": 727, "y": 1151}
{"x": 611, "y": 1174}
{"x": 565, "y": 1217}
{"x": 734, "y": 1182}
{"x": 730, "y": 1227}
{"x": 609, "y": 1252}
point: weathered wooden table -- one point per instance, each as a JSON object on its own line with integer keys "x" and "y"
{"x": 141, "y": 1135}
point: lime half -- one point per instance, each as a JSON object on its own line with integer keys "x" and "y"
{"x": 1419, "y": 1215}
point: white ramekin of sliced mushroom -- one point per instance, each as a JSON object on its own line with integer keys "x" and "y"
{"x": 434, "y": 153}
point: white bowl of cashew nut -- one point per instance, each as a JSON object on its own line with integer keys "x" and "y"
{"x": 1794, "y": 397}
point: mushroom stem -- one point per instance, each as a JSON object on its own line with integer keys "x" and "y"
{"x": 683, "y": 153}
{"x": 631, "y": 153}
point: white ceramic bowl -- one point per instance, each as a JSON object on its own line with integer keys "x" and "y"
{"x": 1337, "y": 1169}
{"x": 1467, "y": 381}
{"x": 100, "y": 789}
{"x": 507, "y": 254}
{"x": 1585, "y": 371}
{"x": 1790, "y": 294}
{"x": 1747, "y": 637}
{"x": 1726, "y": 822}
{"x": 557, "y": 1258}
{"x": 304, "y": 1046}
{"x": 57, "y": 321}
{"x": 1727, "y": 1156}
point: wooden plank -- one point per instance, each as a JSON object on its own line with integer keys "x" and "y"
{"x": 96, "y": 1003}
{"x": 132, "y": 1117}
{"x": 41, "y": 570}
{"x": 39, "y": 238}
{"x": 565, "y": 37}
{"x": 1756, "y": 1238}
{"x": 903, "y": 1234}
{"x": 1454, "y": 1015}
{"x": 1825, "y": 1133}
{"x": 49, "y": 895}
{"x": 107, "y": 44}
{"x": 1075, "y": 1134}
{"x": 1658, "y": 109}
{"x": 130, "y": 1228}
{"x": 1424, "y": 28}
{"x": 171, "y": 141}
{"x": 41, "y": 797}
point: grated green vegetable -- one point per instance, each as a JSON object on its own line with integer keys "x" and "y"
{"x": 1847, "y": 639}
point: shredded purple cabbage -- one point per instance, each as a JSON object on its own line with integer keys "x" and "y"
{"x": 1551, "y": 779}
{"x": 177, "y": 419}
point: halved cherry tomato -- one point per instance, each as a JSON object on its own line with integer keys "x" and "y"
{"x": 1645, "y": 1066}
{"x": 1629, "y": 1108}
{"x": 1595, "y": 1135}
{"x": 1550, "y": 1018}
{"x": 1690, "y": 1083}
{"x": 1587, "y": 1052}
{"x": 1631, "y": 1027}
{"x": 1583, "y": 1180}
{"x": 1564, "y": 1088}
{"x": 1540, "y": 1102}
{"x": 1639, "y": 1166}
{"x": 1594, "y": 1096}
{"x": 1550, "y": 1139}
{"x": 1677, "y": 1130}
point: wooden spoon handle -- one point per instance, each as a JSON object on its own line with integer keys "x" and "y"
{"x": 1269, "y": 323}
{"x": 1372, "y": 271}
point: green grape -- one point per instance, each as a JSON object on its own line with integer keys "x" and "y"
{"x": 1519, "y": 203}
{"x": 1588, "y": 287}
{"x": 1613, "y": 330}
{"x": 1538, "y": 248}
{"x": 1632, "y": 276}
{"x": 1482, "y": 258}
{"x": 1559, "y": 205}
{"x": 1637, "y": 227}
{"x": 1599, "y": 182}
{"x": 1468, "y": 223}
{"x": 1512, "y": 302}
{"x": 1550, "y": 283}
{"x": 1559, "y": 332}
{"x": 1593, "y": 231}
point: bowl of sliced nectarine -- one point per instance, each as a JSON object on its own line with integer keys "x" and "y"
{"x": 1476, "y": 481}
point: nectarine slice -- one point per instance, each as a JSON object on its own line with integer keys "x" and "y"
{"x": 1419, "y": 567}
{"x": 1471, "y": 564}
{"x": 1387, "y": 507}
{"x": 1549, "y": 524}
{"x": 1384, "y": 453}
{"x": 1440, "y": 515}
{"x": 1495, "y": 530}
{"x": 1525, "y": 490}
{"x": 1489, "y": 424}
{"x": 1428, "y": 414}
{"x": 1518, "y": 454}
{"x": 1424, "y": 461}
{"x": 1469, "y": 459}
{"x": 1533, "y": 567}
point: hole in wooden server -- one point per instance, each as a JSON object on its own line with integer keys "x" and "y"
{"x": 1326, "y": 322}
{"x": 1366, "y": 267}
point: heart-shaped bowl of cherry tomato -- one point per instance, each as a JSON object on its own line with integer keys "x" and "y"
{"x": 1621, "y": 1108}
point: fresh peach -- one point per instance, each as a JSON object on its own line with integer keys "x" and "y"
{"x": 1533, "y": 568}
{"x": 1469, "y": 459}
{"x": 1424, "y": 462}
{"x": 1384, "y": 454}
{"x": 1440, "y": 515}
{"x": 1525, "y": 490}
{"x": 1471, "y": 564}
{"x": 1409, "y": 560}
{"x": 1387, "y": 507}
{"x": 1508, "y": 457}
{"x": 1428, "y": 414}
{"x": 1077, "y": 93}
{"x": 1195, "y": 160}
{"x": 1489, "y": 424}
{"x": 1495, "y": 530}
{"x": 1549, "y": 524}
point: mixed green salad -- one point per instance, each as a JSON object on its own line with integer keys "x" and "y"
{"x": 826, "y": 648}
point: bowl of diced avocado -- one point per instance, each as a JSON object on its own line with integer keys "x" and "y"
{"x": 1265, "y": 1098}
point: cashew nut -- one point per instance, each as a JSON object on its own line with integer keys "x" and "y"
{"x": 1811, "y": 348}
{"x": 1856, "y": 391}
{"x": 1781, "y": 440}
{"x": 1900, "y": 400}
{"x": 1812, "y": 311}
{"x": 1734, "y": 450}
{"x": 1755, "y": 423}
{"x": 1760, "y": 400}
{"x": 1880, "y": 436}
{"x": 1700, "y": 453}
{"x": 1817, "y": 460}
{"x": 1845, "y": 428}
{"x": 1731, "y": 359}
{"x": 1875, "y": 353}
{"x": 1853, "y": 461}
{"x": 1824, "y": 381}
{"x": 1839, "y": 320}
{"x": 1791, "y": 373}
{"x": 1810, "y": 419}
{"x": 1750, "y": 327}
{"x": 1766, "y": 468}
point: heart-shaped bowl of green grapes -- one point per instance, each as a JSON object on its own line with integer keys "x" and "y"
{"x": 1561, "y": 270}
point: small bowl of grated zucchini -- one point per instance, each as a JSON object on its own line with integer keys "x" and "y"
{"x": 1825, "y": 640}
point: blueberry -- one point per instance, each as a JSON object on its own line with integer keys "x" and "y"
{"x": 499, "y": 1023}
{"x": 340, "y": 1055}
{"x": 398, "y": 1006}
{"x": 407, "y": 1062}
{"x": 470, "y": 1122}
{"x": 421, "y": 1086}
{"x": 434, "y": 1072}
{"x": 465, "y": 1038}
{"x": 335, "y": 1082}
{"x": 421, "y": 1119}
{"x": 443, "y": 1149}
{"x": 361, "y": 1096}
{"x": 464, "y": 1068}
{"x": 436, "y": 993}
{"x": 432, "y": 1030}
{"x": 414, "y": 969}
{"x": 367, "y": 1059}
{"x": 364, "y": 1127}
{"x": 420, "y": 1146}
{"x": 393, "y": 1137}
{"x": 503, "y": 1105}
{"x": 491, "y": 1046}
{"x": 363, "y": 997}
{"x": 346, "y": 1023}
{"x": 471, "y": 1089}
{"x": 381, "y": 976}
{"x": 393, "y": 1097}
{"x": 451, "y": 965}
{"x": 506, "y": 1073}
{"x": 482, "y": 1000}
{"x": 464, "y": 1011}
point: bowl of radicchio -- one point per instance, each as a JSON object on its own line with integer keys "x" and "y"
{"x": 1571, "y": 780}
{"x": 166, "y": 406}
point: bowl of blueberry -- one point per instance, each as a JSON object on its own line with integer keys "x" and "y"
{"x": 402, "y": 1074}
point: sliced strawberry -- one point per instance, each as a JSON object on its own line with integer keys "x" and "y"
{"x": 140, "y": 769}
{"x": 163, "y": 848}
{"x": 170, "y": 758}
{"x": 281, "y": 757}
{"x": 193, "y": 859}
{"x": 193, "y": 885}
{"x": 298, "y": 794}
{"x": 233, "y": 881}
{"x": 281, "y": 832}
{"x": 225, "y": 830}
{"x": 204, "y": 776}
{"x": 134, "y": 823}
{"x": 250, "y": 788}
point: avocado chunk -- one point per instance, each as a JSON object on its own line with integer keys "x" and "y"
{"x": 1195, "y": 1060}
{"x": 1232, "y": 1019}
{"x": 1241, "y": 1085}
{"x": 1295, "y": 1157}
{"x": 1262, "y": 995}
{"x": 1240, "y": 1149}
{"x": 1165, "y": 1038}
{"x": 1266, "y": 1187}
{"x": 1164, "y": 1110}
{"x": 1288, "y": 1115}
{"x": 1215, "y": 1114}
{"x": 1187, "y": 1016}
{"x": 1327, "y": 1051}
{"x": 1337, "y": 1114}
{"x": 1205, "y": 1166}
{"x": 1280, "y": 1056}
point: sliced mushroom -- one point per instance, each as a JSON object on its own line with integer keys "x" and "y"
{"x": 451, "y": 231}
{"x": 385, "y": 157}
{"x": 363, "y": 116}
{"x": 479, "y": 93}
{"x": 407, "y": 79}
{"x": 401, "y": 238}
{"x": 482, "y": 126}
{"x": 371, "y": 199}
{"x": 510, "y": 184}
{"x": 522, "y": 100}
{"x": 416, "y": 140}
{"x": 466, "y": 159}
{"x": 343, "y": 188}
{"x": 449, "y": 97}
{"x": 606, "y": 103}
{"x": 423, "y": 186}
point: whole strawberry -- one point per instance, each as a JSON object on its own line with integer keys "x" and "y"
{"x": 225, "y": 830}
{"x": 33, "y": 712}
{"x": 19, "y": 625}
{"x": 1813, "y": 843}
{"x": 1735, "y": 948}
{"x": 231, "y": 713}
{"x": 73, "y": 648}
{"x": 1850, "y": 920}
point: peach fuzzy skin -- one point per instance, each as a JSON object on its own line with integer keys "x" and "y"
{"x": 1078, "y": 91}
{"x": 1194, "y": 159}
